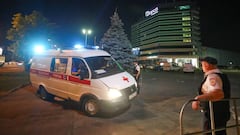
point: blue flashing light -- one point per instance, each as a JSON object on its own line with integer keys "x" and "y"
{"x": 39, "y": 49}
{"x": 78, "y": 46}
{"x": 96, "y": 47}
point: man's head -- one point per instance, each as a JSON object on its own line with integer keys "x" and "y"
{"x": 208, "y": 63}
{"x": 209, "y": 60}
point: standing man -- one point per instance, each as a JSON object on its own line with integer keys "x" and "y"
{"x": 214, "y": 87}
{"x": 136, "y": 73}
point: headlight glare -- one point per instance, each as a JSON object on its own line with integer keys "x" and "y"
{"x": 113, "y": 93}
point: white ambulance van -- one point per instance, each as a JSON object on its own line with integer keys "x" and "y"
{"x": 90, "y": 77}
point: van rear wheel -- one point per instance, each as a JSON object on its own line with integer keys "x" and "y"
{"x": 91, "y": 107}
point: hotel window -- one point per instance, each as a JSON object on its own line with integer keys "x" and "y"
{"x": 186, "y": 29}
{"x": 186, "y": 34}
{"x": 186, "y": 18}
{"x": 187, "y": 40}
{"x": 186, "y": 24}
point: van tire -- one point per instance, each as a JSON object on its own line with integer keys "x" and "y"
{"x": 90, "y": 107}
{"x": 43, "y": 94}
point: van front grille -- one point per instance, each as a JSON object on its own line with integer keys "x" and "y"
{"x": 128, "y": 91}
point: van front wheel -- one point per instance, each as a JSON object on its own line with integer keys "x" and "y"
{"x": 43, "y": 94}
{"x": 91, "y": 107}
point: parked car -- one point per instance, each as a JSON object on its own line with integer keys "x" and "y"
{"x": 170, "y": 67}
{"x": 188, "y": 68}
{"x": 175, "y": 68}
{"x": 166, "y": 66}
{"x": 2, "y": 60}
{"x": 151, "y": 67}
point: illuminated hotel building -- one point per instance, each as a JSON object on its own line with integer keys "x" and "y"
{"x": 169, "y": 32}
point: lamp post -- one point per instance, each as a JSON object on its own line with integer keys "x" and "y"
{"x": 86, "y": 33}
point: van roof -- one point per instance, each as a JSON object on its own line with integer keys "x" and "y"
{"x": 78, "y": 53}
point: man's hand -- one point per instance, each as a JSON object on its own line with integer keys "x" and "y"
{"x": 196, "y": 105}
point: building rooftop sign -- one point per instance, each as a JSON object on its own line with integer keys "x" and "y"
{"x": 152, "y": 12}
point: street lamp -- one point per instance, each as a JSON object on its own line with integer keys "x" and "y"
{"x": 86, "y": 32}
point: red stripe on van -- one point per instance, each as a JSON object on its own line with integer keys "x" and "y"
{"x": 43, "y": 73}
{"x": 76, "y": 79}
{"x": 38, "y": 72}
{"x": 34, "y": 71}
{"x": 60, "y": 76}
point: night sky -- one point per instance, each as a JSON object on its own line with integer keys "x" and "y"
{"x": 219, "y": 21}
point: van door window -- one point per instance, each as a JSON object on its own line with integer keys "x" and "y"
{"x": 59, "y": 65}
{"x": 79, "y": 68}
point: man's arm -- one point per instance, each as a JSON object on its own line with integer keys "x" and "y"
{"x": 211, "y": 96}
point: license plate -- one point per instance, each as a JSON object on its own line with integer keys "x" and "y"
{"x": 133, "y": 95}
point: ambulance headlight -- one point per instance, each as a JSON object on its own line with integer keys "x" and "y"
{"x": 113, "y": 93}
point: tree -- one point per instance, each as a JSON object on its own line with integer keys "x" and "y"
{"x": 115, "y": 42}
{"x": 25, "y": 31}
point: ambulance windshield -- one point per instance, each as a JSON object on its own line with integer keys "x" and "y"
{"x": 102, "y": 66}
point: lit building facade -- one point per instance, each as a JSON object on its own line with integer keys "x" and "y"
{"x": 169, "y": 32}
